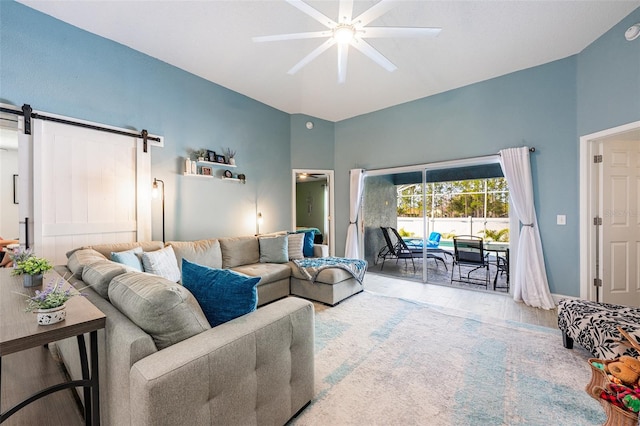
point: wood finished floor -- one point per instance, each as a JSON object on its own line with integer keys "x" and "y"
{"x": 27, "y": 372}
{"x": 496, "y": 304}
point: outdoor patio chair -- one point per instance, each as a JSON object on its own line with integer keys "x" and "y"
{"x": 434, "y": 240}
{"x": 416, "y": 250}
{"x": 469, "y": 251}
{"x": 396, "y": 251}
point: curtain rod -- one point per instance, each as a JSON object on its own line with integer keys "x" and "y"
{"x": 28, "y": 114}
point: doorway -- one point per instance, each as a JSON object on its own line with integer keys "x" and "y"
{"x": 9, "y": 188}
{"x": 313, "y": 203}
{"x": 610, "y": 215}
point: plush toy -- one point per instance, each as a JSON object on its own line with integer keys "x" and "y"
{"x": 628, "y": 397}
{"x": 625, "y": 369}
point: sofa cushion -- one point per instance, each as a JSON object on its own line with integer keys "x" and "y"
{"x": 163, "y": 263}
{"x": 78, "y": 259}
{"x": 296, "y": 244}
{"x": 269, "y": 272}
{"x": 202, "y": 252}
{"x": 222, "y": 294}
{"x": 99, "y": 274}
{"x": 106, "y": 249}
{"x": 238, "y": 251}
{"x": 165, "y": 310}
{"x": 129, "y": 258}
{"x": 274, "y": 249}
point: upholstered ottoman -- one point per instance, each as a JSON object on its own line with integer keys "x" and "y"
{"x": 594, "y": 326}
{"x": 326, "y": 284}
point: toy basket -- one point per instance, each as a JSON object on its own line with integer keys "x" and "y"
{"x": 616, "y": 416}
{"x": 598, "y": 377}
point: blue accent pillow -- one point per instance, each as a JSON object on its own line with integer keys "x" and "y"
{"x": 129, "y": 258}
{"x": 307, "y": 249}
{"x": 222, "y": 294}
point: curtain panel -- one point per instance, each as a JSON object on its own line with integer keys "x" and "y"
{"x": 355, "y": 198}
{"x": 530, "y": 283}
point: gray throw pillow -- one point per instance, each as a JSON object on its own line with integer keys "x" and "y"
{"x": 165, "y": 310}
{"x": 274, "y": 249}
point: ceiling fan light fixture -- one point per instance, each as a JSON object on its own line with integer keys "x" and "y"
{"x": 344, "y": 33}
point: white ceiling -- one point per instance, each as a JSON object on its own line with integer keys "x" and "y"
{"x": 212, "y": 39}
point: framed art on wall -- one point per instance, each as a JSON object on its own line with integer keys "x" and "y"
{"x": 207, "y": 171}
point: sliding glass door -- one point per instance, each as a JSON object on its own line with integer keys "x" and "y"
{"x": 425, "y": 207}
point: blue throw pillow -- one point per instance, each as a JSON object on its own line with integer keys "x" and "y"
{"x": 222, "y": 294}
{"x": 129, "y": 258}
{"x": 307, "y": 249}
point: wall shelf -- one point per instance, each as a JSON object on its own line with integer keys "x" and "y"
{"x": 215, "y": 177}
{"x": 211, "y": 163}
{"x": 233, "y": 179}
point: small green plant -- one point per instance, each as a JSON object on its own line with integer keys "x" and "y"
{"x": 404, "y": 233}
{"x": 51, "y": 297}
{"x": 32, "y": 266}
{"x": 501, "y": 235}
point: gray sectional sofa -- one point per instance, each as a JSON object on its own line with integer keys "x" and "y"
{"x": 255, "y": 369}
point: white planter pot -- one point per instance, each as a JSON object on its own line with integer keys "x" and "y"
{"x": 52, "y": 315}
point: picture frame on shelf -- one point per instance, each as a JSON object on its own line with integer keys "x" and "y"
{"x": 211, "y": 156}
{"x": 207, "y": 171}
{"x": 228, "y": 174}
{"x": 220, "y": 159}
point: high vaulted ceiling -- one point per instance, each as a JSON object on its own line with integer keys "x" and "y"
{"x": 212, "y": 39}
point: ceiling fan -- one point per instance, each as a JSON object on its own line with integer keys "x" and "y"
{"x": 348, "y": 31}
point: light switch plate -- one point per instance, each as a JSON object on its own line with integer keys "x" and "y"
{"x": 561, "y": 219}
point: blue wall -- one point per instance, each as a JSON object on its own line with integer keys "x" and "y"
{"x": 311, "y": 148}
{"x": 61, "y": 69}
{"x": 535, "y": 107}
{"x": 608, "y": 80}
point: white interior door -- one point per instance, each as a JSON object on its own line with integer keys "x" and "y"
{"x": 620, "y": 212}
{"x": 89, "y": 187}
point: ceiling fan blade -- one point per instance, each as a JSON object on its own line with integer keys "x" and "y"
{"x": 375, "y": 11}
{"x": 311, "y": 56}
{"x": 343, "y": 54}
{"x": 373, "y": 32}
{"x": 292, "y": 36}
{"x": 320, "y": 17}
{"x": 345, "y": 11}
{"x": 373, "y": 54}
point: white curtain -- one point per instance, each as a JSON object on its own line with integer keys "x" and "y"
{"x": 355, "y": 197}
{"x": 530, "y": 283}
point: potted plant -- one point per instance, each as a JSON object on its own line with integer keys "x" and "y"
{"x": 32, "y": 268}
{"x": 49, "y": 303}
{"x": 230, "y": 154}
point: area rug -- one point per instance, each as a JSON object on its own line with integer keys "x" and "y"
{"x": 386, "y": 361}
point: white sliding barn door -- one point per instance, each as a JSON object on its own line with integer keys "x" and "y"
{"x": 89, "y": 187}
{"x": 621, "y": 222}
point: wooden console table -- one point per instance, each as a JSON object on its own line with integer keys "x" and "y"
{"x": 19, "y": 331}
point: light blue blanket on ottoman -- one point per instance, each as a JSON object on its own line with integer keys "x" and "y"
{"x": 311, "y": 267}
